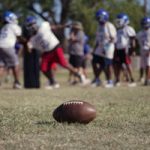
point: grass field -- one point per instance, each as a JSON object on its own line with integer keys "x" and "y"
{"x": 122, "y": 122}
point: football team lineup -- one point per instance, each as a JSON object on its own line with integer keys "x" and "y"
{"x": 99, "y": 96}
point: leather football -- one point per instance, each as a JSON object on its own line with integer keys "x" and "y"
{"x": 75, "y": 111}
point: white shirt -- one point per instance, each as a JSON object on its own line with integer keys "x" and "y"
{"x": 104, "y": 37}
{"x": 144, "y": 39}
{"x": 123, "y": 37}
{"x": 44, "y": 40}
{"x": 8, "y": 35}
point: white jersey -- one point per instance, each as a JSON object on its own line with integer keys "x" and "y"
{"x": 123, "y": 37}
{"x": 44, "y": 40}
{"x": 144, "y": 39}
{"x": 8, "y": 35}
{"x": 104, "y": 41}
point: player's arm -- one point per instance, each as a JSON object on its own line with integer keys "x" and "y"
{"x": 133, "y": 43}
{"x": 132, "y": 37}
{"x": 95, "y": 46}
{"x": 112, "y": 33}
{"x": 22, "y": 39}
{"x": 29, "y": 46}
{"x": 55, "y": 27}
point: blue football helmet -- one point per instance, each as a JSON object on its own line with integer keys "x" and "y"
{"x": 31, "y": 24}
{"x": 145, "y": 22}
{"x": 102, "y": 16}
{"x": 122, "y": 20}
{"x": 10, "y": 17}
{"x": 30, "y": 20}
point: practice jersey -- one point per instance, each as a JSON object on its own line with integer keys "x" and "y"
{"x": 105, "y": 39}
{"x": 144, "y": 39}
{"x": 8, "y": 35}
{"x": 123, "y": 37}
{"x": 44, "y": 40}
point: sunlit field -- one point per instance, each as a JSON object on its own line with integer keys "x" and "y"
{"x": 122, "y": 122}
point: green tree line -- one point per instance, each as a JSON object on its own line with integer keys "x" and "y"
{"x": 81, "y": 10}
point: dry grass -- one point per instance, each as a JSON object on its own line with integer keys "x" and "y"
{"x": 122, "y": 122}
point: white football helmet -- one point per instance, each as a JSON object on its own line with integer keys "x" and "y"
{"x": 122, "y": 20}
{"x": 10, "y": 17}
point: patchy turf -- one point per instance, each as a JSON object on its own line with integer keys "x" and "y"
{"x": 122, "y": 122}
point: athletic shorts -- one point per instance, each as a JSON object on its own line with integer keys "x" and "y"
{"x": 55, "y": 56}
{"x": 76, "y": 61}
{"x": 120, "y": 57}
{"x": 98, "y": 60}
{"x": 54, "y": 66}
{"x": 9, "y": 57}
{"x": 108, "y": 62}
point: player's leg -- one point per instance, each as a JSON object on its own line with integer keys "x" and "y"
{"x": 141, "y": 74}
{"x": 78, "y": 60}
{"x": 98, "y": 67}
{"x": 14, "y": 65}
{"x": 125, "y": 73}
{"x": 117, "y": 66}
{"x": 12, "y": 62}
{"x": 16, "y": 74}
{"x": 52, "y": 83}
{"x": 2, "y": 70}
{"x": 47, "y": 64}
{"x": 147, "y": 70}
{"x": 85, "y": 66}
{"x": 59, "y": 58}
{"x": 109, "y": 71}
{"x": 130, "y": 71}
{"x": 72, "y": 78}
{"x": 141, "y": 70}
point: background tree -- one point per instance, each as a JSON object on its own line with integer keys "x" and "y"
{"x": 81, "y": 10}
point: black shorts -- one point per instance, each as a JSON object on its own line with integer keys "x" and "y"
{"x": 121, "y": 57}
{"x": 98, "y": 60}
{"x": 76, "y": 61}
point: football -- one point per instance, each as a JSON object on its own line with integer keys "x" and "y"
{"x": 75, "y": 111}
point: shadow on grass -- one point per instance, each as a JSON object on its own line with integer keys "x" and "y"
{"x": 45, "y": 122}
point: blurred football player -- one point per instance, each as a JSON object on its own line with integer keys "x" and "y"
{"x": 144, "y": 41}
{"x": 104, "y": 49}
{"x": 44, "y": 40}
{"x": 75, "y": 47}
{"x": 8, "y": 37}
{"x": 125, "y": 41}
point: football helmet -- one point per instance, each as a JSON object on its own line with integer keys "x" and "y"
{"x": 145, "y": 22}
{"x": 31, "y": 24}
{"x": 122, "y": 20}
{"x": 102, "y": 16}
{"x": 10, "y": 17}
{"x": 30, "y": 20}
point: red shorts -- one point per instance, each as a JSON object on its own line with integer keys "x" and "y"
{"x": 52, "y": 57}
{"x": 128, "y": 60}
{"x": 54, "y": 66}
